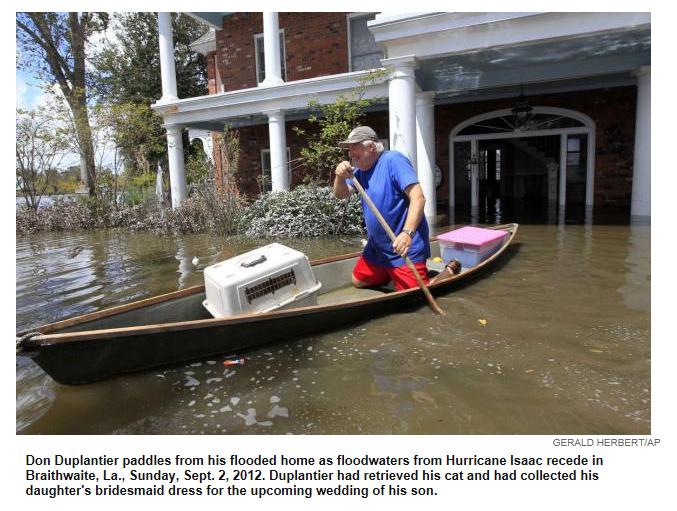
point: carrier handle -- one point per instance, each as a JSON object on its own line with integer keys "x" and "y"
{"x": 253, "y": 262}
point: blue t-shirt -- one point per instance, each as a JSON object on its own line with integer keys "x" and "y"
{"x": 385, "y": 183}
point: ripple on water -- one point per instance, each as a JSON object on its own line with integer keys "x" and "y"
{"x": 530, "y": 369}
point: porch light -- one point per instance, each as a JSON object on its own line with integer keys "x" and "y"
{"x": 521, "y": 112}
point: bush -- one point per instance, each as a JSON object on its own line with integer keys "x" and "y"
{"x": 306, "y": 211}
{"x": 206, "y": 210}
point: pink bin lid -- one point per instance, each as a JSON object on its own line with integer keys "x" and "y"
{"x": 472, "y": 235}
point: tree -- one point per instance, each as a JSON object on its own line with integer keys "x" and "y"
{"x": 335, "y": 120}
{"x": 55, "y": 43}
{"x": 128, "y": 77}
{"x": 40, "y": 146}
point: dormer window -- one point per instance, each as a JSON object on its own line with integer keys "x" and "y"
{"x": 260, "y": 58}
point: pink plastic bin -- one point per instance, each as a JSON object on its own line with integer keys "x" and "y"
{"x": 470, "y": 245}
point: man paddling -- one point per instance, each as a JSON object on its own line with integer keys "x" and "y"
{"x": 391, "y": 183}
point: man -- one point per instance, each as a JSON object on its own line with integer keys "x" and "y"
{"x": 391, "y": 183}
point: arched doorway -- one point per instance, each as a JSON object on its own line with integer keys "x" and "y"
{"x": 494, "y": 164}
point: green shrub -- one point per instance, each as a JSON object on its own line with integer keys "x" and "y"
{"x": 306, "y": 211}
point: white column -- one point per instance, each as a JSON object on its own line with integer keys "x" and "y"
{"x": 83, "y": 170}
{"x": 271, "y": 49}
{"x": 451, "y": 184}
{"x": 590, "y": 171}
{"x": 158, "y": 184}
{"x": 402, "y": 106}
{"x": 474, "y": 176}
{"x": 177, "y": 171}
{"x": 425, "y": 151}
{"x": 641, "y": 173}
{"x": 279, "y": 172}
{"x": 562, "y": 170}
{"x": 167, "y": 67}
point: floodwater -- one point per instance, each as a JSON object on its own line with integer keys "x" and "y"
{"x": 555, "y": 339}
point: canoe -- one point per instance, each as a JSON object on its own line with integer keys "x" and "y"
{"x": 174, "y": 328}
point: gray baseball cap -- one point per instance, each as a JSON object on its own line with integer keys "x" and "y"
{"x": 360, "y": 134}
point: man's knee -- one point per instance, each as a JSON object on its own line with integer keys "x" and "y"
{"x": 358, "y": 283}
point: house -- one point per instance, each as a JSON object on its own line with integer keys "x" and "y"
{"x": 541, "y": 111}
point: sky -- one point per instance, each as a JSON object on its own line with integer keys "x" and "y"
{"x": 30, "y": 95}
{"x": 28, "y": 91}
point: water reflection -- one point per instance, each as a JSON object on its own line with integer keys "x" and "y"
{"x": 184, "y": 257}
{"x": 563, "y": 347}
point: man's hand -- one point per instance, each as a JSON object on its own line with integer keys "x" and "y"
{"x": 402, "y": 243}
{"x": 344, "y": 170}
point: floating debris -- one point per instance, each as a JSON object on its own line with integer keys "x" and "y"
{"x": 277, "y": 411}
{"x": 191, "y": 382}
{"x": 234, "y": 361}
{"x": 250, "y": 418}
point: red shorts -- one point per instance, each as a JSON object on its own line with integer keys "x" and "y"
{"x": 402, "y": 276}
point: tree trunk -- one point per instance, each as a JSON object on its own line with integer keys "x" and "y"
{"x": 71, "y": 81}
{"x": 78, "y": 96}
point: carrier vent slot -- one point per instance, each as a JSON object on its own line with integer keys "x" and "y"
{"x": 270, "y": 286}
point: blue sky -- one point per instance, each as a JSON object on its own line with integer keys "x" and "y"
{"x": 28, "y": 94}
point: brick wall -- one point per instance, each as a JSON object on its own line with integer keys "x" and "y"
{"x": 613, "y": 111}
{"x": 255, "y": 138}
{"x": 316, "y": 44}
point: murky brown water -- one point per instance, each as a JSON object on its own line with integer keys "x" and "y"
{"x": 565, "y": 348}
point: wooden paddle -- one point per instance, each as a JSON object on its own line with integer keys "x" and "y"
{"x": 431, "y": 301}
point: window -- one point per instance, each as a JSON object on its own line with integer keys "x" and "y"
{"x": 266, "y": 178}
{"x": 573, "y": 152}
{"x": 364, "y": 53}
{"x": 576, "y": 169}
{"x": 260, "y": 58}
{"x": 506, "y": 124}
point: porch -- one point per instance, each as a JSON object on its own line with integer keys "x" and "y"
{"x": 438, "y": 60}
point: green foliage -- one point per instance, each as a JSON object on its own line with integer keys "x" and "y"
{"x": 62, "y": 32}
{"x": 127, "y": 80}
{"x": 198, "y": 168}
{"x": 52, "y": 46}
{"x": 140, "y": 189}
{"x": 128, "y": 65}
{"x": 306, "y": 211}
{"x": 136, "y": 132}
{"x": 333, "y": 122}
